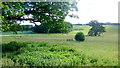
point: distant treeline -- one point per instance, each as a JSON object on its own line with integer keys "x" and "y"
{"x": 101, "y": 24}
{"x": 110, "y": 23}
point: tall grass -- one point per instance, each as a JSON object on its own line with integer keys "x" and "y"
{"x": 104, "y": 47}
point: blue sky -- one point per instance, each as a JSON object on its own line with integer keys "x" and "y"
{"x": 101, "y": 10}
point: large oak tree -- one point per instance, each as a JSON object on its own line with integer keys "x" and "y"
{"x": 48, "y": 13}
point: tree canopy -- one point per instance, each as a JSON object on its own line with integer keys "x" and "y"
{"x": 41, "y": 12}
{"x": 96, "y": 29}
{"x": 62, "y": 27}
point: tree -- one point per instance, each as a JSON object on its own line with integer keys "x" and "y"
{"x": 61, "y": 27}
{"x": 42, "y": 12}
{"x": 79, "y": 36}
{"x": 51, "y": 13}
{"x": 11, "y": 10}
{"x": 97, "y": 29}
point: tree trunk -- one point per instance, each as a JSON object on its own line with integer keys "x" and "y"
{"x": 95, "y": 33}
{"x": 99, "y": 33}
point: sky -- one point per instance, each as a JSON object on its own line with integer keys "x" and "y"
{"x": 101, "y": 10}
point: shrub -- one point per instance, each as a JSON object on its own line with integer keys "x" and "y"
{"x": 7, "y": 62}
{"x": 42, "y": 44}
{"x": 40, "y": 29}
{"x": 61, "y": 27}
{"x": 12, "y": 46}
{"x": 27, "y": 27}
{"x": 46, "y": 55}
{"x": 79, "y": 36}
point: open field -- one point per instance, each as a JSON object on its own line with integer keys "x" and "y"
{"x": 103, "y": 47}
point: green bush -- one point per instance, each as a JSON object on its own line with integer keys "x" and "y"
{"x": 42, "y": 44}
{"x": 12, "y": 46}
{"x": 61, "y": 27}
{"x": 56, "y": 55}
{"x": 39, "y": 29}
{"x": 27, "y": 27}
{"x": 7, "y": 62}
{"x": 44, "y": 54}
{"x": 79, "y": 36}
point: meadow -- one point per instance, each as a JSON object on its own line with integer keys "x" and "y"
{"x": 102, "y": 48}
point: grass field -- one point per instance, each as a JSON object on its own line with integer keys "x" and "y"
{"x": 103, "y": 47}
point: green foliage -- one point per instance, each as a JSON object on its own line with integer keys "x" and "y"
{"x": 10, "y": 11}
{"x": 97, "y": 29}
{"x": 37, "y": 58}
{"x": 7, "y": 62}
{"x": 61, "y": 27}
{"x": 43, "y": 54}
{"x": 42, "y": 12}
{"x": 12, "y": 46}
{"x": 99, "y": 51}
{"x": 11, "y": 28}
{"x": 27, "y": 27}
{"x": 4, "y": 28}
{"x": 40, "y": 29}
{"x": 16, "y": 27}
{"x": 79, "y": 36}
{"x": 42, "y": 44}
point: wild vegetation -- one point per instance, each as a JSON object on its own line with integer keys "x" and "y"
{"x": 54, "y": 42}
{"x": 94, "y": 51}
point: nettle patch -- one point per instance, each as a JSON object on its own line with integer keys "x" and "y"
{"x": 50, "y": 55}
